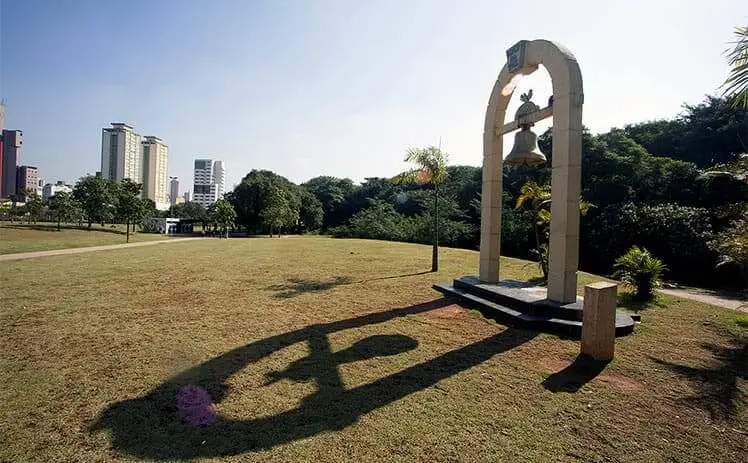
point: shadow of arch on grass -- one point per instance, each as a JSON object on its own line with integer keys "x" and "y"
{"x": 298, "y": 286}
{"x": 148, "y": 427}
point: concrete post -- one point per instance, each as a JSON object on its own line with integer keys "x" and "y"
{"x": 599, "y": 321}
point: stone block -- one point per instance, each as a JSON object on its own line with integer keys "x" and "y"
{"x": 599, "y": 321}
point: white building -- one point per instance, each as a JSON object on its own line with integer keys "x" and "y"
{"x": 121, "y": 153}
{"x": 203, "y": 188}
{"x": 155, "y": 171}
{"x": 210, "y": 182}
{"x": 219, "y": 178}
{"x": 173, "y": 191}
{"x": 50, "y": 189}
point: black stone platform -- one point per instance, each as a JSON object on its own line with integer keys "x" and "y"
{"x": 523, "y": 304}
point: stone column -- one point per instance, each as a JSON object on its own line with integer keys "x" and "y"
{"x": 491, "y": 191}
{"x": 599, "y": 321}
{"x": 566, "y": 182}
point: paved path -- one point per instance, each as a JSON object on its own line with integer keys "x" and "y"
{"x": 61, "y": 252}
{"x": 729, "y": 301}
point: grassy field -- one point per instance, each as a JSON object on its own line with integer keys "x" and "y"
{"x": 316, "y": 349}
{"x": 17, "y": 237}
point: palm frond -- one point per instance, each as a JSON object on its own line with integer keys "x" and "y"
{"x": 736, "y": 85}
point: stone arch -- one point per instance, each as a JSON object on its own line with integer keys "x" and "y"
{"x": 568, "y": 98}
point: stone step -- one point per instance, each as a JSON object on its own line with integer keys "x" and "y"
{"x": 521, "y": 297}
{"x": 510, "y": 316}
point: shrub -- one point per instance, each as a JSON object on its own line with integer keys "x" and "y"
{"x": 640, "y": 269}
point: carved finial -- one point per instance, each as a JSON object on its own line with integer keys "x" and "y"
{"x": 526, "y": 97}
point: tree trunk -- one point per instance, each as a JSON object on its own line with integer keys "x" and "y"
{"x": 538, "y": 246}
{"x": 127, "y": 231}
{"x": 58, "y": 222}
{"x": 435, "y": 247}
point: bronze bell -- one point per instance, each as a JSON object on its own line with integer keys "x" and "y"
{"x": 525, "y": 151}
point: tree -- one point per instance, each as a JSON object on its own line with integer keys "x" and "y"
{"x": 34, "y": 206}
{"x": 96, "y": 198}
{"x": 333, "y": 193}
{"x": 708, "y": 133}
{"x": 278, "y": 211}
{"x": 17, "y": 197}
{"x": 539, "y": 198}
{"x": 251, "y": 197}
{"x": 65, "y": 207}
{"x": 431, "y": 169}
{"x": 736, "y": 84}
{"x": 310, "y": 213}
{"x": 188, "y": 210}
{"x": 222, "y": 215}
{"x": 129, "y": 205}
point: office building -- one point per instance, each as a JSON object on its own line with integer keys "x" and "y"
{"x": 219, "y": 179}
{"x": 186, "y": 196}
{"x": 121, "y": 153}
{"x": 27, "y": 179}
{"x": 12, "y": 141}
{"x": 173, "y": 190}
{"x": 50, "y": 189}
{"x": 155, "y": 171}
{"x": 203, "y": 188}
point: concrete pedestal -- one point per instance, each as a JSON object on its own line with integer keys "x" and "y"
{"x": 599, "y": 321}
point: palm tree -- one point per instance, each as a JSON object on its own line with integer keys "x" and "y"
{"x": 737, "y": 83}
{"x": 539, "y": 198}
{"x": 431, "y": 170}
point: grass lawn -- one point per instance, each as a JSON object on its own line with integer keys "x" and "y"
{"x": 16, "y": 237}
{"x": 316, "y": 349}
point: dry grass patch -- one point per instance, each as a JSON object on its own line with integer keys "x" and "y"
{"x": 338, "y": 350}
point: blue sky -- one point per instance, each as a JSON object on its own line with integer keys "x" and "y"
{"x": 343, "y": 88}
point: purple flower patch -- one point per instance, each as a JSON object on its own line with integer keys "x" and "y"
{"x": 195, "y": 406}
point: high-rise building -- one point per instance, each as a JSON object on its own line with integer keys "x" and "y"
{"x": 173, "y": 190}
{"x": 186, "y": 196}
{"x": 155, "y": 171}
{"x": 219, "y": 179}
{"x": 12, "y": 141}
{"x": 27, "y": 179}
{"x": 203, "y": 188}
{"x": 121, "y": 153}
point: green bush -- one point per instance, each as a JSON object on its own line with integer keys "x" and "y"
{"x": 640, "y": 269}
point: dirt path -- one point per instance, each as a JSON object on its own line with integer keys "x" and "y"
{"x": 61, "y": 252}
{"x": 732, "y": 301}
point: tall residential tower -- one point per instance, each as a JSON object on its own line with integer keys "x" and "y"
{"x": 121, "y": 154}
{"x": 155, "y": 171}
